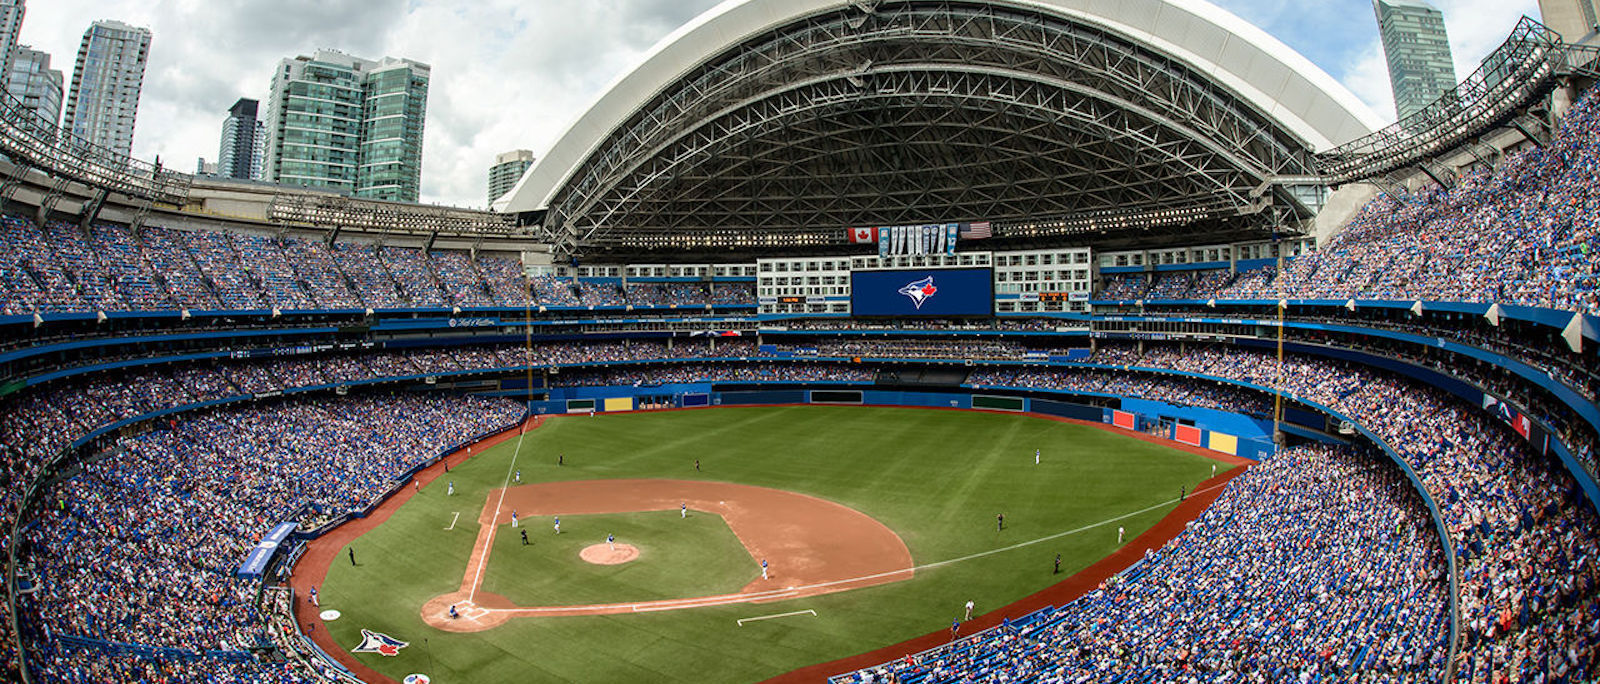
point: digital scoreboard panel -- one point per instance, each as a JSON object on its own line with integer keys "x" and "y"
{"x": 922, "y": 292}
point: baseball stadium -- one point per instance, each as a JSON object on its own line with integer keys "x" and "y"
{"x": 838, "y": 341}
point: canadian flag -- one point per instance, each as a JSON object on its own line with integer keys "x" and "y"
{"x": 863, "y": 236}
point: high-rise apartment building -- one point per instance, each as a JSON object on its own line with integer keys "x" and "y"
{"x": 348, "y": 124}
{"x": 507, "y": 170}
{"x": 1418, "y": 51}
{"x": 106, "y": 80}
{"x": 10, "y": 30}
{"x": 244, "y": 142}
{"x": 1573, "y": 19}
{"x": 39, "y": 88}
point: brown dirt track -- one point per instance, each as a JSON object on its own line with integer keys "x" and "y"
{"x": 322, "y": 552}
{"x": 813, "y": 546}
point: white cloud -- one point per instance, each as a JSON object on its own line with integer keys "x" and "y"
{"x": 1476, "y": 28}
{"x": 507, "y": 74}
{"x": 511, "y": 74}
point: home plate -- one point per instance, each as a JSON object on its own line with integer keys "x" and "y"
{"x": 759, "y": 618}
{"x": 329, "y": 615}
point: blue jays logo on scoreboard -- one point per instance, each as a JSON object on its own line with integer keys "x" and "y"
{"x": 920, "y": 291}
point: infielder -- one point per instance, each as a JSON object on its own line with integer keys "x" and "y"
{"x": 763, "y": 568}
{"x": 518, "y": 477}
{"x": 513, "y": 517}
{"x": 683, "y": 510}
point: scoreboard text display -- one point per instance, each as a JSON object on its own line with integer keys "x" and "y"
{"x": 922, "y": 292}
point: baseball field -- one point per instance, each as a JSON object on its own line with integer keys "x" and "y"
{"x": 878, "y": 524}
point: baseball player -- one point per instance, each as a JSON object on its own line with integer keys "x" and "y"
{"x": 999, "y": 522}
{"x": 1036, "y": 457}
{"x": 1120, "y": 532}
{"x": 513, "y": 517}
{"x": 955, "y": 629}
{"x": 1213, "y": 470}
{"x": 451, "y": 489}
{"x": 1058, "y": 565}
{"x": 558, "y": 524}
{"x": 969, "y": 610}
{"x": 763, "y": 568}
{"x": 683, "y": 510}
{"x": 453, "y": 613}
{"x": 518, "y": 477}
{"x": 313, "y": 598}
{"x": 611, "y": 541}
{"x": 524, "y": 537}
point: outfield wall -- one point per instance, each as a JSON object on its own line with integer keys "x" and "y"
{"x": 1223, "y": 432}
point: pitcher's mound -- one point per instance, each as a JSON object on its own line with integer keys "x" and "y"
{"x": 603, "y": 554}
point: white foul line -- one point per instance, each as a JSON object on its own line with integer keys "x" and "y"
{"x": 741, "y": 621}
{"x": 774, "y": 594}
{"x": 509, "y": 469}
{"x": 453, "y": 521}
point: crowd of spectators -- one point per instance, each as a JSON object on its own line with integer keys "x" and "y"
{"x": 1154, "y": 387}
{"x": 62, "y": 268}
{"x": 141, "y": 547}
{"x": 1527, "y": 540}
{"x": 702, "y": 372}
{"x": 1320, "y": 564}
{"x": 1521, "y": 232}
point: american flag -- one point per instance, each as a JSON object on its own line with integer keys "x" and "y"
{"x": 975, "y": 231}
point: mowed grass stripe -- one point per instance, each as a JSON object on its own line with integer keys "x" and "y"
{"x": 935, "y": 477}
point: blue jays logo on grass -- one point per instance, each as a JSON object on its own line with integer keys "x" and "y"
{"x": 416, "y": 679}
{"x": 919, "y": 291}
{"x": 378, "y": 642}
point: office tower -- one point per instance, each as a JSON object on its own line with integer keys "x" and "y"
{"x": 1573, "y": 19}
{"x": 507, "y": 170}
{"x": 10, "y": 28}
{"x": 244, "y": 140}
{"x": 204, "y": 168}
{"x": 1418, "y": 52}
{"x": 348, "y": 124}
{"x": 36, "y": 86}
{"x": 106, "y": 80}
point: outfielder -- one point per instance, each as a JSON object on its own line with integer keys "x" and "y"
{"x": 558, "y": 524}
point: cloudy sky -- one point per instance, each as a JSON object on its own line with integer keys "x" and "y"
{"x": 511, "y": 74}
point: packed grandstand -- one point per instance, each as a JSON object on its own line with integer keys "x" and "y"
{"x": 1424, "y": 381}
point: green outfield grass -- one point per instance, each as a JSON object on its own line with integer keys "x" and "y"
{"x": 678, "y": 557}
{"x": 935, "y": 477}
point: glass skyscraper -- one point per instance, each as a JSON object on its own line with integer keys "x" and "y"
{"x": 39, "y": 88}
{"x": 1418, "y": 51}
{"x": 507, "y": 170}
{"x": 244, "y": 141}
{"x": 348, "y": 124}
{"x": 10, "y": 28}
{"x": 106, "y": 81}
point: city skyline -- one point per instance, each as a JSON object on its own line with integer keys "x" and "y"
{"x": 503, "y": 81}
